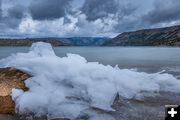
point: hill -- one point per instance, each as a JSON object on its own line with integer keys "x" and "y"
{"x": 85, "y": 41}
{"x": 169, "y": 36}
{"x": 73, "y": 41}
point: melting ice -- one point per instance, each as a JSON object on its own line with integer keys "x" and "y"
{"x": 67, "y": 86}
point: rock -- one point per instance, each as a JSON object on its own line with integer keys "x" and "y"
{"x": 10, "y": 78}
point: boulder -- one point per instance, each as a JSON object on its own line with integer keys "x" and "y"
{"x": 10, "y": 78}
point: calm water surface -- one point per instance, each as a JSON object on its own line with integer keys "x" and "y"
{"x": 124, "y": 57}
{"x": 146, "y": 59}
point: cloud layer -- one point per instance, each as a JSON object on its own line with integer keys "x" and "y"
{"x": 48, "y": 9}
{"x": 167, "y": 11}
{"x": 84, "y": 17}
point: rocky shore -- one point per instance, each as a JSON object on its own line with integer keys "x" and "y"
{"x": 148, "y": 108}
{"x": 10, "y": 78}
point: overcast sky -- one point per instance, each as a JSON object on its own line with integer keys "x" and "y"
{"x": 66, "y": 18}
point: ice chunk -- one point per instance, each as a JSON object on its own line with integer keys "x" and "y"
{"x": 66, "y": 86}
{"x": 42, "y": 49}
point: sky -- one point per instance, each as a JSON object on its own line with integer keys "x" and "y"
{"x": 84, "y": 18}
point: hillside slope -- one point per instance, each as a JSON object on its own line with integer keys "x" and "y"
{"x": 73, "y": 41}
{"x": 85, "y": 41}
{"x": 169, "y": 36}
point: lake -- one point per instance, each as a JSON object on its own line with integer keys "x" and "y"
{"x": 143, "y": 58}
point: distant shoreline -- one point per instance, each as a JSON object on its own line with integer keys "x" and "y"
{"x": 164, "y": 37}
{"x": 73, "y": 41}
{"x": 56, "y": 43}
{"x": 28, "y": 42}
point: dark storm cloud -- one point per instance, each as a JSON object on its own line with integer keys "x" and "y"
{"x": 48, "y": 9}
{"x": 10, "y": 22}
{"x": 95, "y": 9}
{"x": 13, "y": 17}
{"x": 86, "y": 17}
{"x": 164, "y": 11}
{"x": 0, "y": 9}
{"x": 17, "y": 11}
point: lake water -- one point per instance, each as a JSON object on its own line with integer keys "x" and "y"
{"x": 124, "y": 57}
{"x": 146, "y": 59}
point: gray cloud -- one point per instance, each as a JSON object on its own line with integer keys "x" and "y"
{"x": 0, "y": 9}
{"x": 17, "y": 11}
{"x": 85, "y": 17}
{"x": 10, "y": 22}
{"x": 163, "y": 11}
{"x": 48, "y": 9}
{"x": 95, "y": 9}
{"x": 13, "y": 17}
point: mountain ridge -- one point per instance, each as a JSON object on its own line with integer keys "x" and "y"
{"x": 71, "y": 41}
{"x": 167, "y": 36}
{"x": 85, "y": 41}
